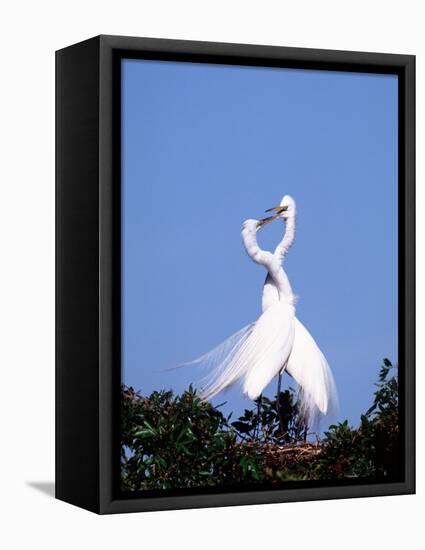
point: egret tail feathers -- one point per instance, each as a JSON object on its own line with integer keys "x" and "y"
{"x": 218, "y": 363}
{"x": 259, "y": 355}
{"x": 308, "y": 366}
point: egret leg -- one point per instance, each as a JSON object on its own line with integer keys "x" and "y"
{"x": 257, "y": 429}
{"x": 278, "y": 407}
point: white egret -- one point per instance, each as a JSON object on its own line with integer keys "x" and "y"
{"x": 277, "y": 341}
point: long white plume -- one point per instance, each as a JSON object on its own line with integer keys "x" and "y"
{"x": 255, "y": 356}
{"x": 308, "y": 366}
{"x": 218, "y": 361}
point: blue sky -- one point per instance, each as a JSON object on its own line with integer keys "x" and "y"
{"x": 208, "y": 146}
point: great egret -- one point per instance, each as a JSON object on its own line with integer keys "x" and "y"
{"x": 277, "y": 341}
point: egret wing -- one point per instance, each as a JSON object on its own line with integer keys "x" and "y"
{"x": 219, "y": 362}
{"x": 221, "y": 354}
{"x": 259, "y": 356}
{"x": 308, "y": 366}
{"x": 268, "y": 347}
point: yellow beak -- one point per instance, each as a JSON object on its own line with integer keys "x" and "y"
{"x": 279, "y": 210}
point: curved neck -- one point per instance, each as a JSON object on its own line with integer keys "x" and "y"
{"x": 268, "y": 260}
{"x": 288, "y": 238}
{"x": 282, "y": 283}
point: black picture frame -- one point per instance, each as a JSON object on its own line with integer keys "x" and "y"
{"x": 88, "y": 268}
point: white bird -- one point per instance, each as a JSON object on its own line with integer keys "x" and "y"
{"x": 277, "y": 341}
{"x": 306, "y": 363}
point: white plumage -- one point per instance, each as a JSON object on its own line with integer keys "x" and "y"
{"x": 309, "y": 368}
{"x": 268, "y": 347}
{"x": 277, "y": 341}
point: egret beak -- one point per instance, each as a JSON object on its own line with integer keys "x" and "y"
{"x": 265, "y": 221}
{"x": 279, "y": 209}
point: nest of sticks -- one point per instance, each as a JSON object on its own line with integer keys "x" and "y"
{"x": 281, "y": 455}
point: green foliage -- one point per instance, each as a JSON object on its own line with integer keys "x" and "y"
{"x": 272, "y": 422}
{"x": 172, "y": 442}
{"x": 373, "y": 449}
{"x": 179, "y": 442}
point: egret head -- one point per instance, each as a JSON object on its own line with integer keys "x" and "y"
{"x": 285, "y": 210}
{"x": 287, "y": 204}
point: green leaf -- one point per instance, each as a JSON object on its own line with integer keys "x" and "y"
{"x": 144, "y": 433}
{"x": 242, "y": 427}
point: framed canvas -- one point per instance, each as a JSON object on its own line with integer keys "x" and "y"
{"x": 200, "y": 364}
